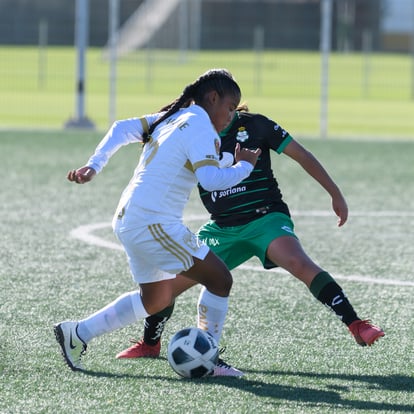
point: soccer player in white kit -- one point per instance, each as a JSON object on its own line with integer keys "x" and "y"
{"x": 181, "y": 148}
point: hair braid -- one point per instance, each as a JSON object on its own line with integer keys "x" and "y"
{"x": 219, "y": 80}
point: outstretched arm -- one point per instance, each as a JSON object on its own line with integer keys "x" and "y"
{"x": 81, "y": 175}
{"x": 315, "y": 169}
{"x": 121, "y": 133}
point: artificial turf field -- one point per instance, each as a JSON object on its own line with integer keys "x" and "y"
{"x": 297, "y": 357}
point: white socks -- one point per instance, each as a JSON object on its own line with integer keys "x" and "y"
{"x": 122, "y": 312}
{"x": 212, "y": 311}
{"x": 128, "y": 308}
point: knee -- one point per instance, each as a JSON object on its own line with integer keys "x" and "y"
{"x": 155, "y": 304}
{"x": 303, "y": 269}
{"x": 297, "y": 266}
{"x": 155, "y": 307}
{"x": 221, "y": 284}
{"x": 228, "y": 283}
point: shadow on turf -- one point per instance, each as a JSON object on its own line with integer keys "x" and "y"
{"x": 375, "y": 382}
{"x": 310, "y": 396}
{"x": 390, "y": 383}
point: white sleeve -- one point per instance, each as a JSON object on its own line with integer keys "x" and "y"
{"x": 213, "y": 178}
{"x": 121, "y": 133}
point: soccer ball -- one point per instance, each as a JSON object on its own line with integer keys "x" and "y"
{"x": 192, "y": 353}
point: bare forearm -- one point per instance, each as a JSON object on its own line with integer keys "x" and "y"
{"x": 315, "y": 169}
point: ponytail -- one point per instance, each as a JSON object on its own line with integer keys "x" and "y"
{"x": 219, "y": 80}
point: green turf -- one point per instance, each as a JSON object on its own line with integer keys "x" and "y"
{"x": 370, "y": 96}
{"x": 298, "y": 358}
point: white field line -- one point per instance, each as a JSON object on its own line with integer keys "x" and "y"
{"x": 323, "y": 213}
{"x": 84, "y": 233}
{"x": 349, "y": 278}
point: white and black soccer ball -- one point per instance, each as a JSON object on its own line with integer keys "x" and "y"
{"x": 193, "y": 353}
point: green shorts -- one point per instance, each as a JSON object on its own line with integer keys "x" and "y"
{"x": 236, "y": 245}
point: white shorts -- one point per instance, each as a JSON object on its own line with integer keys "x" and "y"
{"x": 160, "y": 251}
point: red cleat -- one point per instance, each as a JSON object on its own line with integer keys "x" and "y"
{"x": 141, "y": 350}
{"x": 364, "y": 332}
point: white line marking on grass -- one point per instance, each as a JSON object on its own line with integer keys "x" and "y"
{"x": 349, "y": 278}
{"x": 329, "y": 213}
{"x": 84, "y": 233}
{"x": 324, "y": 213}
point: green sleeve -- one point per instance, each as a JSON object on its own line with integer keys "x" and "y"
{"x": 283, "y": 145}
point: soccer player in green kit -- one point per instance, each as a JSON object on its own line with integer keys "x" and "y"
{"x": 251, "y": 219}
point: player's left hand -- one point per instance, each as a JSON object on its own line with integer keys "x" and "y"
{"x": 246, "y": 154}
{"x": 81, "y": 175}
{"x": 341, "y": 209}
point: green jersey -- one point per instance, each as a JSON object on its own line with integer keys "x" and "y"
{"x": 259, "y": 193}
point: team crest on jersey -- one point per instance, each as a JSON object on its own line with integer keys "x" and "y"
{"x": 217, "y": 145}
{"x": 242, "y": 134}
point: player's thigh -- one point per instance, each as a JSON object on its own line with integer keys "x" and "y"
{"x": 182, "y": 283}
{"x": 157, "y": 296}
{"x": 288, "y": 253}
{"x": 211, "y": 272}
{"x": 167, "y": 248}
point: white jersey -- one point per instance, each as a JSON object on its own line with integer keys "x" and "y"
{"x": 165, "y": 176}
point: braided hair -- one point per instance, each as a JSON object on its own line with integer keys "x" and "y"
{"x": 219, "y": 80}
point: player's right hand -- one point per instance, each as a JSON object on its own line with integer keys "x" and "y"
{"x": 246, "y": 154}
{"x": 81, "y": 175}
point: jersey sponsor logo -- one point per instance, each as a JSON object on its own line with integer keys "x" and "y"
{"x": 224, "y": 193}
{"x": 242, "y": 134}
{"x": 211, "y": 241}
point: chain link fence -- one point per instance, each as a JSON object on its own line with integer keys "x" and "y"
{"x": 271, "y": 46}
